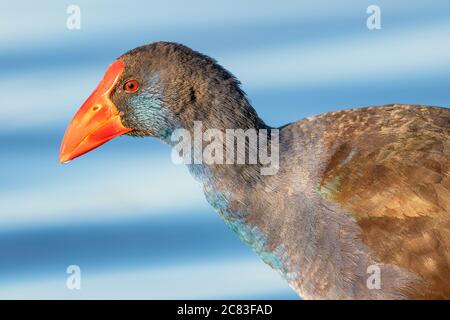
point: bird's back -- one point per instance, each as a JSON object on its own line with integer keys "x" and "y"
{"x": 388, "y": 169}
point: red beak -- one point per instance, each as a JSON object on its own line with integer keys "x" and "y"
{"x": 97, "y": 121}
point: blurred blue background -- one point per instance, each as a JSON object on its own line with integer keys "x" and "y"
{"x": 136, "y": 224}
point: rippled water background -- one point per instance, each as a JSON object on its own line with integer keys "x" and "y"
{"x": 136, "y": 224}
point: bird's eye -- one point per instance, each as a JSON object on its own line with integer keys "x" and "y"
{"x": 131, "y": 86}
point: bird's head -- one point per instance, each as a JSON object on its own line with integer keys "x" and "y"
{"x": 152, "y": 90}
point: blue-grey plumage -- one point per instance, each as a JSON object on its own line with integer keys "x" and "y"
{"x": 359, "y": 206}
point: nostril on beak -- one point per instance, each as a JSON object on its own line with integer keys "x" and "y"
{"x": 96, "y": 107}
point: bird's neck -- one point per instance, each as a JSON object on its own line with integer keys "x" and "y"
{"x": 229, "y": 152}
{"x": 226, "y": 145}
{"x": 238, "y": 191}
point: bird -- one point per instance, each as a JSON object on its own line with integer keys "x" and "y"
{"x": 359, "y": 207}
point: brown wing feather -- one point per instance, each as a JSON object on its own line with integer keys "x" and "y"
{"x": 391, "y": 170}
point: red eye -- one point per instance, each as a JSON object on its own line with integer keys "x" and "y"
{"x": 131, "y": 86}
